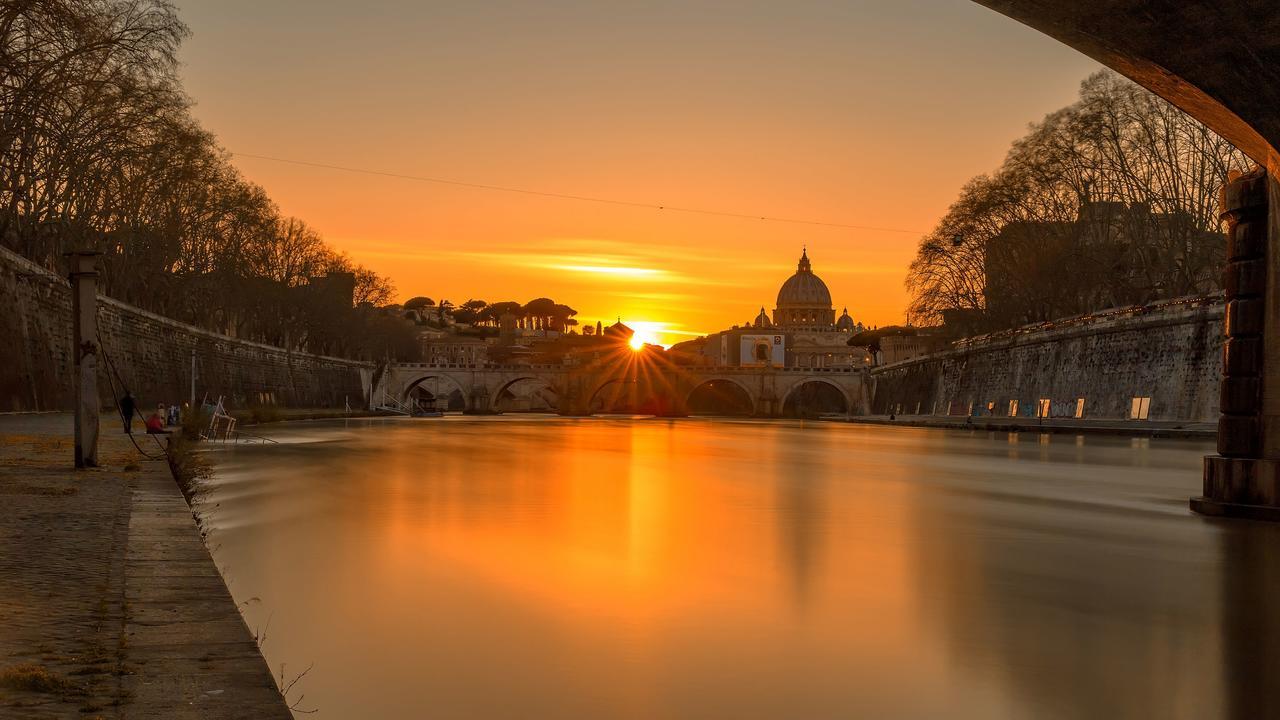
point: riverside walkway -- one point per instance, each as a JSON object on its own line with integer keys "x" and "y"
{"x": 110, "y": 605}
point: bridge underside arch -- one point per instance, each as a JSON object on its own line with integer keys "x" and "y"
{"x": 1217, "y": 61}
{"x": 811, "y": 398}
{"x": 628, "y": 396}
{"x": 526, "y": 394}
{"x": 720, "y": 396}
{"x": 435, "y": 392}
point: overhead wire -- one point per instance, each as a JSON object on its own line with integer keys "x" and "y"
{"x": 111, "y": 367}
{"x": 579, "y": 198}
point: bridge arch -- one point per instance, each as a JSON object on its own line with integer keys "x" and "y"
{"x": 743, "y": 394}
{"x": 408, "y": 397}
{"x": 617, "y": 386}
{"x": 506, "y": 385}
{"x": 1216, "y": 61}
{"x": 818, "y": 404}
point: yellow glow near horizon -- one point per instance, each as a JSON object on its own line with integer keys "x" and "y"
{"x": 646, "y": 333}
{"x": 631, "y": 272}
{"x": 738, "y": 133}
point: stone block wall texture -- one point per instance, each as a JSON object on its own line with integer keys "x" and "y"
{"x": 1170, "y": 353}
{"x": 150, "y": 353}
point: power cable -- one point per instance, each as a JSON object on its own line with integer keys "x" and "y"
{"x": 115, "y": 402}
{"x": 580, "y": 198}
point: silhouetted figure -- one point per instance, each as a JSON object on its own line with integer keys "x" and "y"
{"x": 127, "y": 408}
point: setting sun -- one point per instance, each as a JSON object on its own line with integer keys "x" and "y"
{"x": 646, "y": 333}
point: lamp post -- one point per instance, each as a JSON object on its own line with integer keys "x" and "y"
{"x": 84, "y": 334}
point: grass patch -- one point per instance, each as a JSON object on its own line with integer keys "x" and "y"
{"x": 189, "y": 468}
{"x": 258, "y": 414}
{"x": 194, "y": 422}
{"x": 31, "y": 677}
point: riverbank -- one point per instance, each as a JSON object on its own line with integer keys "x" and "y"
{"x": 112, "y": 605}
{"x": 1070, "y": 426}
{"x": 261, "y": 415}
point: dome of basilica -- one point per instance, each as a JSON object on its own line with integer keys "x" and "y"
{"x": 762, "y": 320}
{"x": 804, "y": 289}
{"x": 845, "y": 323}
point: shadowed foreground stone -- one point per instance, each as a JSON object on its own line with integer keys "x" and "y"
{"x": 107, "y": 589}
{"x": 193, "y": 653}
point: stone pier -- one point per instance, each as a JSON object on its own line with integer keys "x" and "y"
{"x": 1243, "y": 479}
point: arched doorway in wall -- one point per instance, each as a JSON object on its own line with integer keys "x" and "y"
{"x": 528, "y": 394}
{"x": 720, "y": 397}
{"x": 812, "y": 398}
{"x": 435, "y": 393}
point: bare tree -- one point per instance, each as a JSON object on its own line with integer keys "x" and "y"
{"x": 98, "y": 149}
{"x": 1109, "y": 201}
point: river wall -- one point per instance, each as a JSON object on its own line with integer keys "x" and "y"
{"x": 151, "y": 354}
{"x": 1169, "y": 353}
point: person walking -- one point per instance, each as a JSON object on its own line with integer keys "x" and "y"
{"x": 127, "y": 408}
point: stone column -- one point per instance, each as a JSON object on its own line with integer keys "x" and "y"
{"x": 477, "y": 402}
{"x": 84, "y": 335}
{"x": 571, "y": 402}
{"x": 1243, "y": 479}
{"x": 768, "y": 405}
{"x": 671, "y": 400}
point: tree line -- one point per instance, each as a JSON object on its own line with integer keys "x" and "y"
{"x": 1110, "y": 201}
{"x": 99, "y": 150}
{"x": 537, "y": 314}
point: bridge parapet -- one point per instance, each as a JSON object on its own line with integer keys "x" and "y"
{"x": 477, "y": 366}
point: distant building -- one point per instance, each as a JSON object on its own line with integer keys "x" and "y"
{"x": 619, "y": 331}
{"x": 334, "y": 290}
{"x": 803, "y": 332}
{"x": 446, "y": 348}
{"x": 1113, "y": 254}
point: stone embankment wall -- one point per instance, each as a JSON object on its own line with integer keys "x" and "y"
{"x": 1170, "y": 352}
{"x": 151, "y": 355}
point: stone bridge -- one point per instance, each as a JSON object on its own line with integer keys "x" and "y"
{"x": 658, "y": 388}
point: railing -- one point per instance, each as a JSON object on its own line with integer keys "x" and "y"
{"x": 487, "y": 368}
{"x": 1096, "y": 318}
{"x": 392, "y": 405}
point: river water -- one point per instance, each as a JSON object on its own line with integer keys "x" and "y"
{"x": 519, "y": 567}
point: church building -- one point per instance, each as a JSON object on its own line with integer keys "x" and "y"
{"x": 803, "y": 332}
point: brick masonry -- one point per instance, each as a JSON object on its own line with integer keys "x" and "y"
{"x": 151, "y": 354}
{"x": 1170, "y": 353}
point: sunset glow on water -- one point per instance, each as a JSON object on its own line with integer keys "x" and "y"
{"x": 553, "y": 568}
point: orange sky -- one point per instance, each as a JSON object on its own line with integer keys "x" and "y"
{"x": 851, "y": 112}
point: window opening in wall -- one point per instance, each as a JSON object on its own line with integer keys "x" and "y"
{"x": 1140, "y": 409}
{"x": 1079, "y": 408}
{"x": 1042, "y": 408}
{"x": 1013, "y": 408}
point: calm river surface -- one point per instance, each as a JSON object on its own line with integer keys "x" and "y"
{"x": 516, "y": 567}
